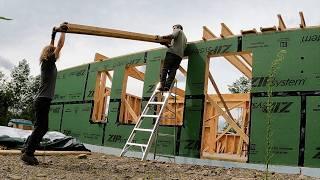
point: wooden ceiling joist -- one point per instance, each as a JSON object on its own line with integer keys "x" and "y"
{"x": 247, "y": 58}
{"x": 207, "y": 34}
{"x": 135, "y": 73}
{"x": 282, "y": 25}
{"x": 235, "y": 61}
{"x": 100, "y": 57}
{"x": 303, "y": 22}
{"x": 226, "y": 32}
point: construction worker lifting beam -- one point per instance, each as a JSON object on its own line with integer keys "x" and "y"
{"x": 176, "y": 43}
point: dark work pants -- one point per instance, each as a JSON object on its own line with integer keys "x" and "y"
{"x": 41, "y": 111}
{"x": 170, "y": 66}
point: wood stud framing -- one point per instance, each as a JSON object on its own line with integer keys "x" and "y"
{"x": 215, "y": 145}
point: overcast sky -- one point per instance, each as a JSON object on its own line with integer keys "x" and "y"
{"x": 30, "y": 29}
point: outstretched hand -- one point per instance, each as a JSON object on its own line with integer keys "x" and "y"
{"x": 64, "y": 27}
{"x": 165, "y": 44}
{"x": 53, "y": 35}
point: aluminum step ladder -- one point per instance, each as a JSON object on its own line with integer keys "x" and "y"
{"x": 145, "y": 148}
{"x": 156, "y": 155}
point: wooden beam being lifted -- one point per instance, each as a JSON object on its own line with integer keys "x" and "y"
{"x": 106, "y": 32}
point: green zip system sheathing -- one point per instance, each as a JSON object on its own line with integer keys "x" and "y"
{"x": 293, "y": 129}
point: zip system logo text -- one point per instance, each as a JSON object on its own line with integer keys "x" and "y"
{"x": 262, "y": 82}
{"x": 275, "y": 107}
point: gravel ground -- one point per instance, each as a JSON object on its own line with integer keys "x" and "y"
{"x": 100, "y": 166}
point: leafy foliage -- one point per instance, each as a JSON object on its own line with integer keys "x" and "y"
{"x": 241, "y": 85}
{"x": 16, "y": 95}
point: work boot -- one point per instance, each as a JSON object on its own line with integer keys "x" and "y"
{"x": 165, "y": 89}
{"x": 29, "y": 159}
{"x": 161, "y": 88}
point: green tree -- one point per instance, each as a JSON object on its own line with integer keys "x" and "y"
{"x": 23, "y": 87}
{"x": 5, "y": 100}
{"x": 241, "y": 85}
{"x": 18, "y": 85}
{"x": 32, "y": 89}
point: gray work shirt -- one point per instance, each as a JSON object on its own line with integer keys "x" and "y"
{"x": 48, "y": 78}
{"x": 178, "y": 43}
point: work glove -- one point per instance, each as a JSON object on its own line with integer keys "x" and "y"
{"x": 64, "y": 27}
{"x": 165, "y": 44}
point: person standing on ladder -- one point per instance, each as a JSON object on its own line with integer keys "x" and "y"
{"x": 173, "y": 57}
{"x": 43, "y": 98}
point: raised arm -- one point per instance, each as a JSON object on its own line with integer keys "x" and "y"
{"x": 60, "y": 44}
{"x": 172, "y": 36}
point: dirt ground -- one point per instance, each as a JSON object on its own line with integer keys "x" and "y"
{"x": 100, "y": 166}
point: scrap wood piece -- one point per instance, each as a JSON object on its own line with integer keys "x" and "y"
{"x": 45, "y": 153}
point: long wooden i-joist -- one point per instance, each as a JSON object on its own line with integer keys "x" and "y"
{"x": 106, "y": 32}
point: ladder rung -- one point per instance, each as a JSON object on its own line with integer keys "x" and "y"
{"x": 142, "y": 129}
{"x": 157, "y": 103}
{"x": 136, "y": 144}
{"x": 151, "y": 116}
